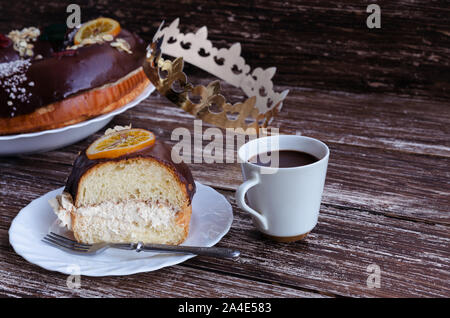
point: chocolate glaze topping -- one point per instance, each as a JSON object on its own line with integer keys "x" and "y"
{"x": 8, "y": 54}
{"x": 58, "y": 75}
{"x": 158, "y": 151}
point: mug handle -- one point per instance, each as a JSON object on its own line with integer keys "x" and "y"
{"x": 240, "y": 198}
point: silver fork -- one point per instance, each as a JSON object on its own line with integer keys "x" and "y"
{"x": 72, "y": 246}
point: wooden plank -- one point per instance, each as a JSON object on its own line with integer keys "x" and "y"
{"x": 364, "y": 173}
{"x": 316, "y": 44}
{"x": 372, "y": 121}
{"x": 369, "y": 120}
{"x": 19, "y": 278}
{"x": 366, "y": 120}
{"x": 378, "y": 98}
{"x": 424, "y": 178}
{"x": 413, "y": 256}
{"x": 22, "y": 279}
{"x": 405, "y": 185}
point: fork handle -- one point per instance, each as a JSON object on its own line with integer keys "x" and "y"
{"x": 198, "y": 250}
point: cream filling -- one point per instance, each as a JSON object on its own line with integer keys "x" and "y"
{"x": 63, "y": 206}
{"x": 148, "y": 213}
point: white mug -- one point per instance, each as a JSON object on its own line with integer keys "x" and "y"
{"x": 284, "y": 202}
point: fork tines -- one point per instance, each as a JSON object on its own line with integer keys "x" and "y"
{"x": 64, "y": 242}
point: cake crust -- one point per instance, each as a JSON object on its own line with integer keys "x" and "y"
{"x": 141, "y": 196}
{"x": 80, "y": 107}
{"x": 158, "y": 151}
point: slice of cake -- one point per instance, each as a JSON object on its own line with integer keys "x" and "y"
{"x": 127, "y": 189}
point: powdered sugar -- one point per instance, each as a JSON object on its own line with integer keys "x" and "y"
{"x": 14, "y": 82}
{"x": 9, "y": 68}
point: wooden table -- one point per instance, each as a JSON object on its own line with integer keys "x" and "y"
{"x": 378, "y": 97}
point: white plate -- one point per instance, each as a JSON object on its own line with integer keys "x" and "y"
{"x": 211, "y": 219}
{"x": 56, "y": 138}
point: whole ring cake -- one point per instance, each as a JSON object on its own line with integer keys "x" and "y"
{"x": 47, "y": 84}
{"x": 125, "y": 187}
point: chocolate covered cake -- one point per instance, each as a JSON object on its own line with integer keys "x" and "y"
{"x": 141, "y": 195}
{"x": 46, "y": 84}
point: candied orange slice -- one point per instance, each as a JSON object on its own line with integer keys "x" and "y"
{"x": 97, "y": 27}
{"x": 120, "y": 143}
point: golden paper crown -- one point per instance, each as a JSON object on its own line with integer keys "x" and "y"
{"x": 255, "y": 112}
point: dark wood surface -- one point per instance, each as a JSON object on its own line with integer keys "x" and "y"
{"x": 378, "y": 98}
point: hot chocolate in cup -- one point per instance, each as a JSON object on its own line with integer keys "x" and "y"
{"x": 284, "y": 177}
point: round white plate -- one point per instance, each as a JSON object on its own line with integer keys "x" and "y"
{"x": 56, "y": 138}
{"x": 211, "y": 219}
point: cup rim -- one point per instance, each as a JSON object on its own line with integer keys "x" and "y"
{"x": 327, "y": 154}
